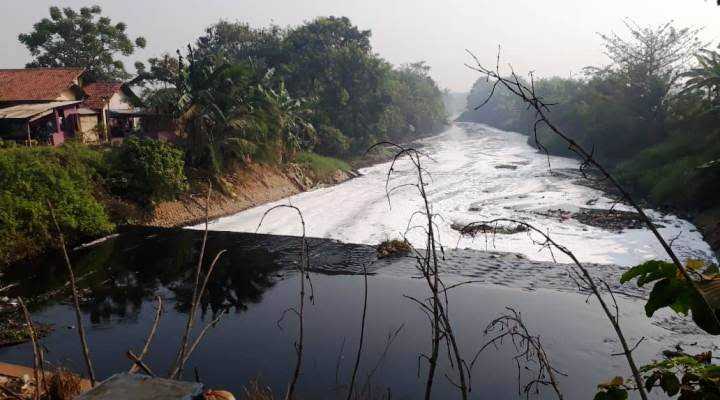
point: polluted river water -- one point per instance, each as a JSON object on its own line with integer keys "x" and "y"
{"x": 478, "y": 173}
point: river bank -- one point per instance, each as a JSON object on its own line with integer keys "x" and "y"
{"x": 707, "y": 222}
{"x": 251, "y": 186}
{"x": 257, "y": 184}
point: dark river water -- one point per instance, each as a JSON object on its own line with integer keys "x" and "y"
{"x": 255, "y": 282}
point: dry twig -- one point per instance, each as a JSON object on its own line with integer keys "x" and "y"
{"x": 529, "y": 351}
{"x": 151, "y": 335}
{"x": 76, "y": 300}
{"x": 303, "y": 268}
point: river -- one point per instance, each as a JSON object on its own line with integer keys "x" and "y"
{"x": 256, "y": 283}
{"x": 478, "y": 173}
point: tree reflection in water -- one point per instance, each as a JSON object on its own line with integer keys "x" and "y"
{"x": 119, "y": 275}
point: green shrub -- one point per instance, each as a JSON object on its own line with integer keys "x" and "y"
{"x": 331, "y": 141}
{"x": 32, "y": 177}
{"x": 320, "y": 166}
{"x": 7, "y": 144}
{"x": 147, "y": 171}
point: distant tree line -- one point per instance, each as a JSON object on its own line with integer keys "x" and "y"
{"x": 653, "y": 114}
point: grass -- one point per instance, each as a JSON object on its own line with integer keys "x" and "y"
{"x": 321, "y": 166}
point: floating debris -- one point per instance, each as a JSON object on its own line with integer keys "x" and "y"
{"x": 614, "y": 220}
{"x": 473, "y": 230}
{"x": 393, "y": 248}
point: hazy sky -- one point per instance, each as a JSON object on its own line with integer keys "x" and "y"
{"x": 551, "y": 37}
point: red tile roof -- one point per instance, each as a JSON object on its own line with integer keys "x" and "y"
{"x": 99, "y": 93}
{"x": 36, "y": 84}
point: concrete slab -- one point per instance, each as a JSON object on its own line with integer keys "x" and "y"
{"x": 142, "y": 387}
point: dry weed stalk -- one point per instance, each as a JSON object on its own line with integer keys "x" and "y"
{"x": 436, "y": 306}
{"x": 184, "y": 351}
{"x": 585, "y": 281}
{"x": 529, "y": 351}
{"x": 303, "y": 270}
{"x": 76, "y": 299}
{"x": 146, "y": 348}
{"x": 392, "y": 335}
{"x": 362, "y": 334}
{"x": 137, "y": 362}
{"x": 37, "y": 358}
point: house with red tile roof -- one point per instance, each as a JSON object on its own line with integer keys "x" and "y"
{"x": 38, "y": 85}
{"x": 40, "y": 104}
{"x": 102, "y": 100}
{"x": 48, "y": 105}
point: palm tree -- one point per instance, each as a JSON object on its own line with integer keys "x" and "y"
{"x": 705, "y": 77}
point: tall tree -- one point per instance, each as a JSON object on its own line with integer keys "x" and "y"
{"x": 331, "y": 60}
{"x": 83, "y": 39}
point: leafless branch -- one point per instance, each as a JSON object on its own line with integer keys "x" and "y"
{"x": 362, "y": 335}
{"x": 76, "y": 299}
{"x": 590, "y": 283}
{"x": 303, "y": 268}
{"x": 529, "y": 350}
{"x": 528, "y": 95}
{"x": 151, "y": 334}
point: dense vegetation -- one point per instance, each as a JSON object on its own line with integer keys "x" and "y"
{"x": 243, "y": 93}
{"x": 77, "y": 182}
{"x": 238, "y": 95}
{"x": 31, "y": 180}
{"x": 652, "y": 115}
{"x": 147, "y": 171}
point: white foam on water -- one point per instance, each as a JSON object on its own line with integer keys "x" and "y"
{"x": 464, "y": 176}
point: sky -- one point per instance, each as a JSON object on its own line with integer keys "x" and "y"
{"x": 550, "y": 37}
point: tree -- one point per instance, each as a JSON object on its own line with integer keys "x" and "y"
{"x": 706, "y": 76}
{"x": 331, "y": 60}
{"x": 416, "y": 103}
{"x": 82, "y": 39}
{"x": 651, "y": 61}
{"x": 239, "y": 42}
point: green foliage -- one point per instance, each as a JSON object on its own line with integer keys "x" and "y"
{"x": 274, "y": 87}
{"x": 81, "y": 39}
{"x": 656, "y": 131}
{"x": 416, "y": 103}
{"x": 332, "y": 142}
{"x": 147, "y": 171}
{"x": 692, "y": 377}
{"x": 613, "y": 390}
{"x": 706, "y": 76}
{"x": 32, "y": 177}
{"x": 672, "y": 290}
{"x": 322, "y": 167}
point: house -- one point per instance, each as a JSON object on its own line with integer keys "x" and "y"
{"x": 49, "y": 105}
{"x": 40, "y": 85}
{"x": 97, "y": 115}
{"x": 39, "y": 105}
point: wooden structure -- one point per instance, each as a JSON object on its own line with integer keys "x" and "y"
{"x": 43, "y": 123}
